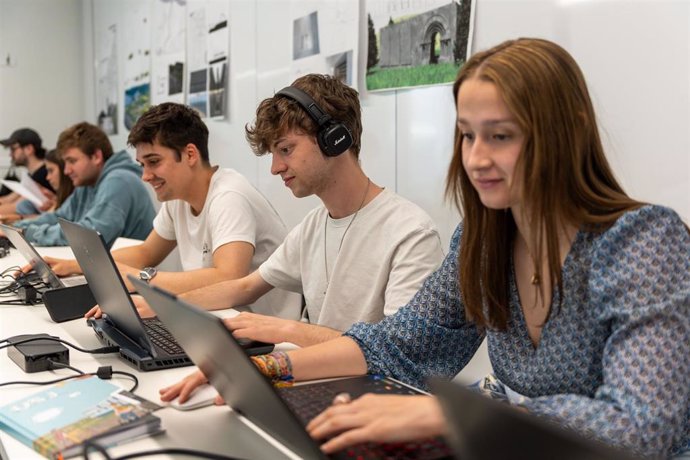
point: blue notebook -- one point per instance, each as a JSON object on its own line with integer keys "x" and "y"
{"x": 56, "y": 421}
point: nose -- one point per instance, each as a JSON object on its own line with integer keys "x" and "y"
{"x": 476, "y": 155}
{"x": 277, "y": 165}
{"x": 146, "y": 175}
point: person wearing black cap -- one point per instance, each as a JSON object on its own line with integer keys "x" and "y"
{"x": 26, "y": 149}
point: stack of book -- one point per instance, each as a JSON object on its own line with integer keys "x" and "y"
{"x": 56, "y": 421}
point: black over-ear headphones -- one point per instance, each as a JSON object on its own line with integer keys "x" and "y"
{"x": 333, "y": 136}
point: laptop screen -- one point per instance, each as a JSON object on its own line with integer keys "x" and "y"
{"x": 228, "y": 368}
{"x": 27, "y": 251}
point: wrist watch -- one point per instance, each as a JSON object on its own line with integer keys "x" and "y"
{"x": 147, "y": 274}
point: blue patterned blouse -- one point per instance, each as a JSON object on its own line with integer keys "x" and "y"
{"x": 613, "y": 362}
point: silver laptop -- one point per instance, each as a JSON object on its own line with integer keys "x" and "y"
{"x": 42, "y": 269}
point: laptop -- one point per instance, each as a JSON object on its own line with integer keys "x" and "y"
{"x": 42, "y": 269}
{"x": 144, "y": 342}
{"x": 483, "y": 428}
{"x": 282, "y": 412}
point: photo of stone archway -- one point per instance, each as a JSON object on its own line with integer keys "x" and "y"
{"x": 421, "y": 43}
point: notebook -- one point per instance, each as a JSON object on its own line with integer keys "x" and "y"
{"x": 481, "y": 427}
{"x": 57, "y": 420}
{"x": 144, "y": 342}
{"x": 27, "y": 250}
{"x": 282, "y": 412}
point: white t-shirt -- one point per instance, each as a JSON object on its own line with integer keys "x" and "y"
{"x": 233, "y": 211}
{"x": 391, "y": 246}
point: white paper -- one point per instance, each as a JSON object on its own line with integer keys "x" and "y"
{"x": 28, "y": 189}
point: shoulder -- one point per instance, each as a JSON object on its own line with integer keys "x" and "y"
{"x": 646, "y": 227}
{"x": 392, "y": 209}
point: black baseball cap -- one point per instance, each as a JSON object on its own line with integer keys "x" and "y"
{"x": 23, "y": 136}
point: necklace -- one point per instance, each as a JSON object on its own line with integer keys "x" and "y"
{"x": 342, "y": 238}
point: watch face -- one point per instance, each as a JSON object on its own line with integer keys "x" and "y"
{"x": 147, "y": 273}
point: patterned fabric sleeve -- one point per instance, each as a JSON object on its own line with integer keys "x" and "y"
{"x": 641, "y": 282}
{"x": 427, "y": 337}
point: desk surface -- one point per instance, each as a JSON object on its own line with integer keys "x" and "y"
{"x": 212, "y": 429}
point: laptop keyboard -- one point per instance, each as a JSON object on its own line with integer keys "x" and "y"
{"x": 307, "y": 401}
{"x": 161, "y": 337}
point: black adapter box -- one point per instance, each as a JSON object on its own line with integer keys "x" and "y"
{"x": 33, "y": 356}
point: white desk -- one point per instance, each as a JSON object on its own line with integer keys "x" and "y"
{"x": 211, "y": 429}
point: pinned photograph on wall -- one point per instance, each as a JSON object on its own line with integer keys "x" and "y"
{"x": 198, "y": 95}
{"x": 218, "y": 46}
{"x": 167, "y": 60}
{"x": 217, "y": 82}
{"x": 107, "y": 79}
{"x": 325, "y": 41}
{"x": 137, "y": 100}
{"x": 417, "y": 44}
{"x": 305, "y": 36}
{"x": 340, "y": 66}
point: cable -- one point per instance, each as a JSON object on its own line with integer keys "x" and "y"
{"x": 89, "y": 444}
{"x": 102, "y": 350}
{"x": 103, "y": 373}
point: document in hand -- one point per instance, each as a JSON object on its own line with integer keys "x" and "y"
{"x": 56, "y": 421}
{"x": 28, "y": 189}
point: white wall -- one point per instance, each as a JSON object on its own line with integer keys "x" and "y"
{"x": 43, "y": 86}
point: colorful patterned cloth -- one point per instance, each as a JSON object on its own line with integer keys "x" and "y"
{"x": 613, "y": 362}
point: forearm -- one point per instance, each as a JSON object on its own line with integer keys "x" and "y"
{"x": 229, "y": 293}
{"x": 201, "y": 279}
{"x": 304, "y": 334}
{"x": 135, "y": 256}
{"x": 340, "y": 357}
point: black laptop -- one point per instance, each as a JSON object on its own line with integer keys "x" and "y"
{"x": 40, "y": 266}
{"x": 483, "y": 428}
{"x": 144, "y": 342}
{"x": 282, "y": 412}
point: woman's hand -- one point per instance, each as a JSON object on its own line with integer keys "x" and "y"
{"x": 377, "y": 418}
{"x": 184, "y": 388}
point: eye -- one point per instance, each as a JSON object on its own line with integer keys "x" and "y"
{"x": 501, "y": 137}
{"x": 467, "y": 137}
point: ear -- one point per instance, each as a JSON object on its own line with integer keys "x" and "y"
{"x": 97, "y": 157}
{"x": 191, "y": 155}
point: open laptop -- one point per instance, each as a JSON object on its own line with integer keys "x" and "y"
{"x": 482, "y": 428}
{"x": 144, "y": 342}
{"x": 282, "y": 412}
{"x": 40, "y": 266}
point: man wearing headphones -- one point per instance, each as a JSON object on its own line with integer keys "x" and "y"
{"x": 359, "y": 256}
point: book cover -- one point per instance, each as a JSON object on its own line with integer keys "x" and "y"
{"x": 57, "y": 420}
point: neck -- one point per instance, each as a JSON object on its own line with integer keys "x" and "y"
{"x": 33, "y": 164}
{"x": 566, "y": 236}
{"x": 348, "y": 191}
{"x": 199, "y": 190}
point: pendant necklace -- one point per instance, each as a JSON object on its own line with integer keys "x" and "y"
{"x": 342, "y": 238}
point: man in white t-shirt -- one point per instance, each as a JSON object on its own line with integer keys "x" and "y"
{"x": 361, "y": 255}
{"x": 223, "y": 227}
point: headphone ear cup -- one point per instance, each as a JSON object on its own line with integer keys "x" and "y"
{"x": 334, "y": 139}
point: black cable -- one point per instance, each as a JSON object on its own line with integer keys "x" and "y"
{"x": 113, "y": 349}
{"x": 89, "y": 444}
{"x": 103, "y": 373}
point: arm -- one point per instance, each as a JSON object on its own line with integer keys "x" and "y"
{"x": 277, "y": 330}
{"x": 428, "y": 336}
{"x": 229, "y": 293}
{"x": 147, "y": 254}
{"x": 641, "y": 284}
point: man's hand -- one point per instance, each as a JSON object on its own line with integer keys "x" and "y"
{"x": 63, "y": 267}
{"x": 377, "y": 418}
{"x": 142, "y": 308}
{"x": 263, "y": 328}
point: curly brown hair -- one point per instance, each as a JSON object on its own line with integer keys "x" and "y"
{"x": 275, "y": 116}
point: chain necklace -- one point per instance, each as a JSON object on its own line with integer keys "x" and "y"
{"x": 342, "y": 238}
